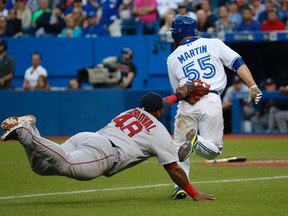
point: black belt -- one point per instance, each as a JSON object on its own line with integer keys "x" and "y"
{"x": 213, "y": 91}
{"x": 113, "y": 145}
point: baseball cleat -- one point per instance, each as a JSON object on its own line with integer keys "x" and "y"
{"x": 11, "y": 134}
{"x": 187, "y": 148}
{"x": 179, "y": 193}
{"x": 11, "y": 122}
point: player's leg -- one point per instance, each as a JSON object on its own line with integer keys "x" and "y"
{"x": 282, "y": 121}
{"x": 183, "y": 123}
{"x": 37, "y": 164}
{"x": 210, "y": 139}
{"x": 258, "y": 123}
{"x": 84, "y": 163}
{"x": 271, "y": 118}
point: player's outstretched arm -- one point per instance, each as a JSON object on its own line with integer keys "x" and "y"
{"x": 182, "y": 92}
{"x": 255, "y": 93}
{"x": 178, "y": 175}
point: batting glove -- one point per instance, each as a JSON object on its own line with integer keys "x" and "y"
{"x": 254, "y": 94}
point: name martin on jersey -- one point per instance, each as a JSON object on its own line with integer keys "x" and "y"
{"x": 191, "y": 53}
{"x": 144, "y": 120}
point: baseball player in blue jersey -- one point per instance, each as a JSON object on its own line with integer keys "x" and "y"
{"x": 194, "y": 59}
{"x": 129, "y": 139}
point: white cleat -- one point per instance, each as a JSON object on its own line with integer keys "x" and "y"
{"x": 11, "y": 134}
{"x": 11, "y": 122}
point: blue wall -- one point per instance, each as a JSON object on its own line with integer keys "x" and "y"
{"x": 64, "y": 113}
{"x": 64, "y": 57}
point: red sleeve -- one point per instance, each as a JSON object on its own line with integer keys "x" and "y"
{"x": 170, "y": 166}
{"x": 172, "y": 99}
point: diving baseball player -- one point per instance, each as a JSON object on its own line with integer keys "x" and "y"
{"x": 129, "y": 139}
{"x": 201, "y": 59}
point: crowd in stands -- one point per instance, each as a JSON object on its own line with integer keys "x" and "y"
{"x": 93, "y": 18}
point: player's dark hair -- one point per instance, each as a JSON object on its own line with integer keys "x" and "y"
{"x": 37, "y": 53}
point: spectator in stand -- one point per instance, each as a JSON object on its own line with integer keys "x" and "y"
{"x": 24, "y": 14}
{"x": 165, "y": 8}
{"x": 264, "y": 119}
{"x": 206, "y": 6}
{"x": 248, "y": 24}
{"x": 273, "y": 23}
{"x": 109, "y": 16}
{"x": 258, "y": 8}
{"x": 3, "y": 10}
{"x": 5, "y": 31}
{"x": 224, "y": 24}
{"x": 233, "y": 12}
{"x": 283, "y": 11}
{"x": 71, "y": 29}
{"x": 74, "y": 84}
{"x": 34, "y": 72}
{"x": 248, "y": 109}
{"x": 126, "y": 68}
{"x": 203, "y": 24}
{"x": 86, "y": 8}
{"x": 7, "y": 67}
{"x": 14, "y": 23}
{"x": 43, "y": 8}
{"x": 242, "y": 4}
{"x": 51, "y": 23}
{"x": 263, "y": 16}
{"x": 146, "y": 10}
{"x": 42, "y": 83}
{"x": 167, "y": 24}
{"x": 125, "y": 9}
{"x": 79, "y": 17}
{"x": 94, "y": 29}
{"x": 182, "y": 9}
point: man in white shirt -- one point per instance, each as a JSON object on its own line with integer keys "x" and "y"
{"x": 32, "y": 73}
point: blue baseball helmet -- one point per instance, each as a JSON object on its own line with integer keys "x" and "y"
{"x": 183, "y": 26}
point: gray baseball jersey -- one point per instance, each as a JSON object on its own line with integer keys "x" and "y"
{"x": 130, "y": 138}
{"x": 138, "y": 136}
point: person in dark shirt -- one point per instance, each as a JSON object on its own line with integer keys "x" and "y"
{"x": 5, "y": 31}
{"x": 248, "y": 23}
{"x": 14, "y": 23}
{"x": 7, "y": 67}
{"x": 51, "y": 22}
{"x": 127, "y": 68}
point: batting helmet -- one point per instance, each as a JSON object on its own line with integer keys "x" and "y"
{"x": 183, "y": 26}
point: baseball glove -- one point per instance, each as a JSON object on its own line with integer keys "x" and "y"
{"x": 182, "y": 92}
{"x": 201, "y": 89}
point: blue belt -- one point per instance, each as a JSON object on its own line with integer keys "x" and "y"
{"x": 213, "y": 91}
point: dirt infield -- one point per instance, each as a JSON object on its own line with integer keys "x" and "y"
{"x": 252, "y": 163}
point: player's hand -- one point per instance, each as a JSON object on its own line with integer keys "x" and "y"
{"x": 204, "y": 197}
{"x": 254, "y": 94}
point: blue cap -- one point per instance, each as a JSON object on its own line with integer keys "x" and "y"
{"x": 236, "y": 79}
{"x": 91, "y": 14}
{"x": 269, "y": 81}
{"x": 152, "y": 102}
{"x": 127, "y": 50}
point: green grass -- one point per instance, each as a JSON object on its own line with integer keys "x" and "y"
{"x": 257, "y": 197}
